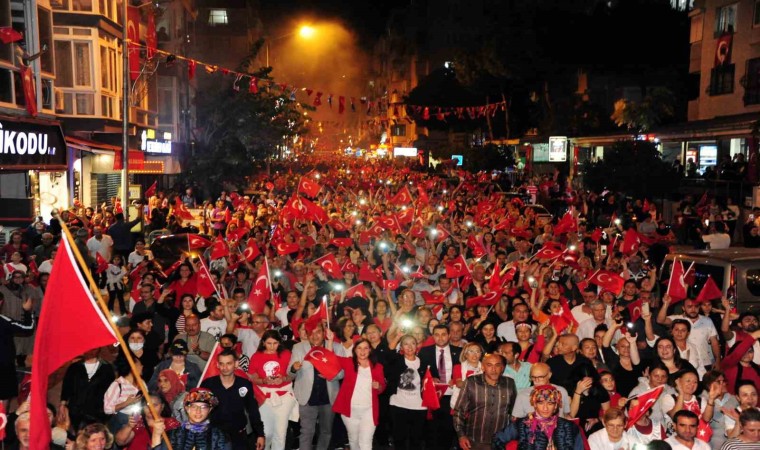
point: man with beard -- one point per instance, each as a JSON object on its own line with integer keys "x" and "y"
{"x": 703, "y": 334}
{"x": 16, "y": 294}
{"x": 744, "y": 325}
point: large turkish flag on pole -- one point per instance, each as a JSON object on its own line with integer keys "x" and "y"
{"x": 60, "y": 335}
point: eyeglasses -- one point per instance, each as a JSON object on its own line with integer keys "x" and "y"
{"x": 198, "y": 407}
{"x": 538, "y": 377}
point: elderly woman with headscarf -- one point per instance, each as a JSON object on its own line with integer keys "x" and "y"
{"x": 542, "y": 429}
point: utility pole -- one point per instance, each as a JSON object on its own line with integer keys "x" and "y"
{"x": 125, "y": 111}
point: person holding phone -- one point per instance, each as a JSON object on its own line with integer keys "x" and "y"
{"x": 123, "y": 393}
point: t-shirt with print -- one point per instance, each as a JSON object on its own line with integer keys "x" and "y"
{"x": 270, "y": 365}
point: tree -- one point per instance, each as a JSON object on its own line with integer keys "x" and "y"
{"x": 633, "y": 167}
{"x": 641, "y": 116}
{"x": 237, "y": 129}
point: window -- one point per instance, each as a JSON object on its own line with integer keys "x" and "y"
{"x": 398, "y": 130}
{"x": 752, "y": 83}
{"x": 725, "y": 20}
{"x": 753, "y": 281}
{"x": 217, "y": 17}
{"x": 722, "y": 79}
{"x": 693, "y": 84}
{"x": 81, "y": 5}
{"x": 695, "y": 32}
{"x": 45, "y": 20}
{"x": 73, "y": 66}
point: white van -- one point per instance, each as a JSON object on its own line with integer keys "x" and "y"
{"x": 735, "y": 270}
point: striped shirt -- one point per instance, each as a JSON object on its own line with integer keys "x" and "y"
{"x": 738, "y": 444}
{"x": 482, "y": 409}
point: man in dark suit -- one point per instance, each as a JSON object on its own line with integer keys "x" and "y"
{"x": 440, "y": 358}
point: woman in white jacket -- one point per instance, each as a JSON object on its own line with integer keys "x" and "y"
{"x": 612, "y": 436}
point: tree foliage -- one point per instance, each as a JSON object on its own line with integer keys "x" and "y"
{"x": 641, "y": 116}
{"x": 633, "y": 167}
{"x": 237, "y": 130}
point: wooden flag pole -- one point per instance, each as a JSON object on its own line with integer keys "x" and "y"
{"x": 104, "y": 309}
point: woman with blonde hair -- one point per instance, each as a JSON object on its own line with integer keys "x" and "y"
{"x": 94, "y": 437}
{"x": 469, "y": 364}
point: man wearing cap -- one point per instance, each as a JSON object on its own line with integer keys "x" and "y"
{"x": 197, "y": 433}
{"x": 188, "y": 372}
{"x": 543, "y": 428}
{"x": 236, "y": 398}
{"x": 314, "y": 393}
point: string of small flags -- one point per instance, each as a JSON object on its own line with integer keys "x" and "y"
{"x": 252, "y": 84}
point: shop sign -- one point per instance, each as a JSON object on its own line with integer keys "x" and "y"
{"x": 149, "y": 143}
{"x": 29, "y": 145}
{"x": 557, "y": 149}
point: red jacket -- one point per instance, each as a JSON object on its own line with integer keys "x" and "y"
{"x": 730, "y": 364}
{"x": 343, "y": 400}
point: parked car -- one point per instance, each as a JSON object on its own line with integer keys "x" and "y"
{"x": 735, "y": 270}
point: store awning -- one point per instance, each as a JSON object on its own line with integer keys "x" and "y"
{"x": 87, "y": 145}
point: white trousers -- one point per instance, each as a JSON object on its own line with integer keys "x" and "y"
{"x": 360, "y": 427}
{"x": 275, "y": 419}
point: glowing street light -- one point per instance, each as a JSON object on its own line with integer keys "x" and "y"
{"x": 307, "y": 32}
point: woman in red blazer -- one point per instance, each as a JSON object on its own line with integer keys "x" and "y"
{"x": 357, "y": 401}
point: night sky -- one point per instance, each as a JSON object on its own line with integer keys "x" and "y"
{"x": 367, "y": 18}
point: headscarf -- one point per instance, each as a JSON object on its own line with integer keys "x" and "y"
{"x": 546, "y": 425}
{"x": 177, "y": 387}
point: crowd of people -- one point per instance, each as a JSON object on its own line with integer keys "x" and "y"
{"x": 374, "y": 305}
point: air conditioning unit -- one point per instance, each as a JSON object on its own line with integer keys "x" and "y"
{"x": 59, "y": 100}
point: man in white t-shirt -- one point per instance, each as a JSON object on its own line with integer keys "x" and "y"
{"x": 506, "y": 330}
{"x": 718, "y": 239}
{"x": 100, "y": 243}
{"x": 291, "y": 303}
{"x": 703, "y": 334}
{"x": 215, "y": 324}
{"x": 686, "y": 424}
{"x": 583, "y": 311}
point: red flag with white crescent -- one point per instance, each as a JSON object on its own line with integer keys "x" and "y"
{"x": 205, "y": 285}
{"x": 251, "y": 251}
{"x": 261, "y": 290}
{"x": 195, "y": 242}
{"x": 488, "y": 299}
{"x": 330, "y": 265}
{"x": 219, "y": 249}
{"x": 357, "y": 290}
{"x": 645, "y": 402}
{"x": 608, "y": 280}
{"x": 402, "y": 197}
{"x": 284, "y": 248}
{"x": 457, "y": 267}
{"x": 324, "y": 361}
{"x": 309, "y": 187}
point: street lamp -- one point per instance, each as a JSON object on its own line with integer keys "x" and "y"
{"x": 305, "y": 31}
{"x": 125, "y": 104}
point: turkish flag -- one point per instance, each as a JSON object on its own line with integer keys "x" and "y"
{"x": 151, "y": 191}
{"x": 8, "y": 35}
{"x": 205, "y": 286}
{"x": 337, "y": 225}
{"x": 367, "y": 274}
{"x": 457, "y": 267}
{"x": 607, "y": 280}
{"x": 566, "y": 224}
{"x": 646, "y": 401}
{"x": 488, "y": 299}
{"x": 433, "y": 299}
{"x": 677, "y": 287}
{"x": 631, "y": 242}
{"x": 478, "y": 251}
{"x": 251, "y": 251}
{"x": 4, "y": 423}
{"x": 710, "y": 291}
{"x": 494, "y": 283}
{"x": 418, "y": 230}
{"x": 442, "y": 233}
{"x": 261, "y": 290}
{"x": 324, "y": 361}
{"x": 219, "y": 249}
{"x": 357, "y": 290}
{"x": 596, "y": 235}
{"x": 30, "y": 93}
{"x": 548, "y": 252}
{"x": 348, "y": 266}
{"x": 133, "y": 36}
{"x": 423, "y": 196}
{"x": 181, "y": 211}
{"x": 238, "y": 234}
{"x": 315, "y": 212}
{"x": 170, "y": 270}
{"x": 294, "y": 208}
{"x": 430, "y": 398}
{"x": 309, "y": 187}
{"x": 391, "y": 285}
{"x": 704, "y": 432}
{"x": 195, "y": 242}
{"x": 486, "y": 207}
{"x": 634, "y": 310}
{"x": 405, "y": 217}
{"x": 402, "y": 197}
{"x": 212, "y": 369}
{"x": 342, "y": 242}
{"x": 320, "y": 315}
{"x": 102, "y": 263}
{"x": 284, "y": 248}
{"x": 60, "y": 335}
{"x": 330, "y": 265}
